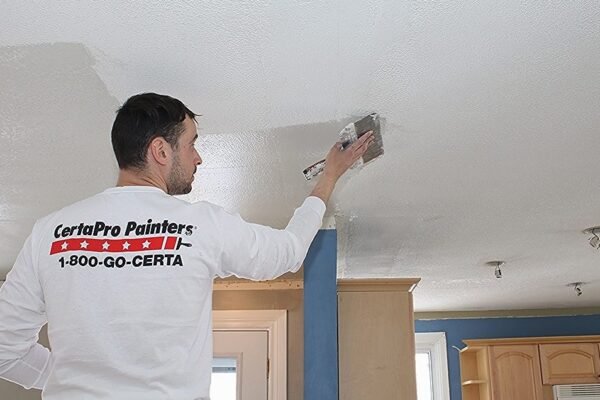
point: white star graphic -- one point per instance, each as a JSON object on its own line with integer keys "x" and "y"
{"x": 84, "y": 244}
{"x": 146, "y": 244}
{"x": 64, "y": 245}
{"x": 126, "y": 246}
{"x": 105, "y": 246}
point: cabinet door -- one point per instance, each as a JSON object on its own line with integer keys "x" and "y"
{"x": 568, "y": 363}
{"x": 516, "y": 372}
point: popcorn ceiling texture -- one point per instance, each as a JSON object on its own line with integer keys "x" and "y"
{"x": 491, "y": 137}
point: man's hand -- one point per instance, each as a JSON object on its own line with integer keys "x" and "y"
{"x": 338, "y": 161}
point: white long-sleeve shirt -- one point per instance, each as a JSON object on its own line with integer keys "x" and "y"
{"x": 124, "y": 280}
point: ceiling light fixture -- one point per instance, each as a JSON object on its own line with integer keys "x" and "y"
{"x": 577, "y": 287}
{"x": 496, "y": 265}
{"x": 594, "y": 240}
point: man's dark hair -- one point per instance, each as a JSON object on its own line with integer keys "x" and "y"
{"x": 142, "y": 118}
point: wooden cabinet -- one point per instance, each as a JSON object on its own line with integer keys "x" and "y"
{"x": 566, "y": 363}
{"x": 516, "y": 372}
{"x": 525, "y": 368}
{"x": 474, "y": 372}
{"x": 376, "y": 339}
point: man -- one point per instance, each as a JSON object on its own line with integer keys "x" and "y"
{"x": 124, "y": 278}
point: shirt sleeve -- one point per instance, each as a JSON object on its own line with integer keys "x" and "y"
{"x": 22, "y": 314}
{"x": 259, "y": 252}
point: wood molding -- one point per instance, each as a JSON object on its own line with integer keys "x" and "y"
{"x": 282, "y": 284}
{"x": 377, "y": 285}
{"x": 541, "y": 312}
{"x": 532, "y": 340}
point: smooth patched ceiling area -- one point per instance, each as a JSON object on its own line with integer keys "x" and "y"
{"x": 491, "y": 127}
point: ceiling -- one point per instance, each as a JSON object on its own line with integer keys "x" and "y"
{"x": 491, "y": 113}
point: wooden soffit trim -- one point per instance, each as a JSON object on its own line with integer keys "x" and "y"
{"x": 377, "y": 285}
{"x": 280, "y": 284}
{"x": 532, "y": 340}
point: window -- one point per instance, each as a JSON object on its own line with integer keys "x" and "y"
{"x": 224, "y": 379}
{"x": 432, "y": 366}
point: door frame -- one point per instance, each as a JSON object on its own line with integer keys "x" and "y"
{"x": 275, "y": 323}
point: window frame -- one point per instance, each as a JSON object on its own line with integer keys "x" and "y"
{"x": 435, "y": 344}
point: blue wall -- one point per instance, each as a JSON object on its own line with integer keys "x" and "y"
{"x": 458, "y": 329}
{"x": 320, "y": 319}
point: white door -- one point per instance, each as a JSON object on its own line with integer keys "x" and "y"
{"x": 240, "y": 365}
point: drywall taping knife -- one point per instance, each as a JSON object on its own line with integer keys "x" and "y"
{"x": 349, "y": 135}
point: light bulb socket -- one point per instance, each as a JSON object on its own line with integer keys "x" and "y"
{"x": 577, "y": 288}
{"x": 594, "y": 240}
{"x": 498, "y": 272}
{"x": 496, "y": 265}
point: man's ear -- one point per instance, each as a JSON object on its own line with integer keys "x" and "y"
{"x": 160, "y": 151}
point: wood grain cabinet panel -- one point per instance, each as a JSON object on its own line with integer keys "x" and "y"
{"x": 526, "y": 368}
{"x": 516, "y": 373}
{"x": 376, "y": 339}
{"x": 568, "y": 363}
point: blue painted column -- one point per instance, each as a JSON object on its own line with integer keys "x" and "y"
{"x": 320, "y": 318}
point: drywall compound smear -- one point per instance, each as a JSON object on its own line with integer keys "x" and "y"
{"x": 55, "y": 118}
{"x": 342, "y": 227}
{"x": 350, "y": 134}
{"x": 256, "y": 162}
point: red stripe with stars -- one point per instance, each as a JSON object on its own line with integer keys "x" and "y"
{"x": 114, "y": 245}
